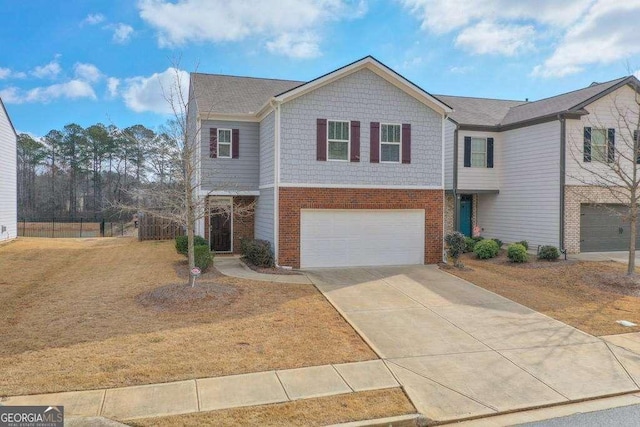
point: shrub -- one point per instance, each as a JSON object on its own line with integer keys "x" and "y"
{"x": 549, "y": 253}
{"x": 478, "y": 238}
{"x": 517, "y": 253}
{"x": 182, "y": 245}
{"x": 469, "y": 244}
{"x": 499, "y": 242}
{"x": 456, "y": 244}
{"x": 486, "y": 249}
{"x": 203, "y": 257}
{"x": 257, "y": 252}
{"x": 523, "y": 243}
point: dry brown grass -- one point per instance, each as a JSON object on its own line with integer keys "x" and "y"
{"x": 322, "y": 411}
{"x": 70, "y": 320}
{"x": 576, "y": 293}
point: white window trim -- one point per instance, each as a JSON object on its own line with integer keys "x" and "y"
{"x": 399, "y": 144}
{"x": 230, "y": 143}
{"x": 348, "y": 141}
{"x": 485, "y": 151}
{"x": 605, "y": 146}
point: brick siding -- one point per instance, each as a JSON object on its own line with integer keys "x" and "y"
{"x": 293, "y": 199}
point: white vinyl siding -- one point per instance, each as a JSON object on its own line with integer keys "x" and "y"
{"x": 480, "y": 178}
{"x": 350, "y": 238}
{"x": 8, "y": 180}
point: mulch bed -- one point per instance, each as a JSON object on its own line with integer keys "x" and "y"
{"x": 533, "y": 261}
{"x": 615, "y": 282}
{"x": 184, "y": 298}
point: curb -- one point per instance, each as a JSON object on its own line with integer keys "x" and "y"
{"x": 412, "y": 420}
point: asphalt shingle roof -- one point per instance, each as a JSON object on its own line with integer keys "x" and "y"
{"x": 222, "y": 94}
{"x": 478, "y": 111}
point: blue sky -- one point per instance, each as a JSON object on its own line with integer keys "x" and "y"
{"x": 85, "y": 62}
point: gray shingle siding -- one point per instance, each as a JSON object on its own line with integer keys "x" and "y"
{"x": 366, "y": 97}
{"x": 264, "y": 216}
{"x": 241, "y": 174}
{"x": 267, "y": 127}
{"x": 449, "y": 131}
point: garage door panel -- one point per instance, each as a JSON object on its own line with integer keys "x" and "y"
{"x": 342, "y": 238}
{"x": 603, "y": 228}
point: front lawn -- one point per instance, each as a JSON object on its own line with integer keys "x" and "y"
{"x": 76, "y": 315}
{"x": 590, "y": 296}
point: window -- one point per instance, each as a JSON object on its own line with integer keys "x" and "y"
{"x": 390, "y": 143}
{"x": 224, "y": 143}
{"x": 599, "y": 149}
{"x": 338, "y": 141}
{"x": 478, "y": 152}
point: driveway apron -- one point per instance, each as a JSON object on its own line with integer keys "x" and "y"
{"x": 461, "y": 351}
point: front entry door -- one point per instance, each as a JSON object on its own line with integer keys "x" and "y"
{"x": 465, "y": 215}
{"x": 220, "y": 231}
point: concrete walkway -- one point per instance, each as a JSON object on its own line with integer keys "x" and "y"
{"x": 234, "y": 267}
{"x": 208, "y": 394}
{"x": 617, "y": 256}
{"x": 461, "y": 351}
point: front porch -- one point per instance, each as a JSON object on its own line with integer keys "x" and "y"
{"x": 227, "y": 221}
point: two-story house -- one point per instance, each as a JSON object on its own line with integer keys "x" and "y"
{"x": 344, "y": 170}
{"x": 8, "y": 177}
{"x": 534, "y": 170}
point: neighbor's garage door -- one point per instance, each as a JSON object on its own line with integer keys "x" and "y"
{"x": 346, "y": 238}
{"x": 602, "y": 228}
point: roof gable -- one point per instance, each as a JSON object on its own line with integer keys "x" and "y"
{"x": 6, "y": 113}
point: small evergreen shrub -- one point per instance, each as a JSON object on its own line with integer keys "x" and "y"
{"x": 499, "y": 242}
{"x": 523, "y": 243}
{"x": 456, "y": 243}
{"x": 257, "y": 252}
{"x": 182, "y": 244}
{"x": 469, "y": 244}
{"x": 486, "y": 249}
{"x": 203, "y": 257}
{"x": 478, "y": 238}
{"x": 517, "y": 253}
{"x": 550, "y": 253}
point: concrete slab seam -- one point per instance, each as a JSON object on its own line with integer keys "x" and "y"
{"x": 283, "y": 387}
{"x": 104, "y": 397}
{"x": 343, "y": 379}
{"x": 620, "y": 363}
{"x": 197, "y": 395}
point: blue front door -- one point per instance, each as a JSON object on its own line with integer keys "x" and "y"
{"x": 465, "y": 215}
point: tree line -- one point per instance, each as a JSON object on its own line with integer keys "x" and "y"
{"x": 77, "y": 172}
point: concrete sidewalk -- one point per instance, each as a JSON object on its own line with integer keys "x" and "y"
{"x": 209, "y": 394}
{"x": 234, "y": 267}
{"x": 460, "y": 351}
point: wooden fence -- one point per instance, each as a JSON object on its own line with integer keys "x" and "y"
{"x": 154, "y": 228}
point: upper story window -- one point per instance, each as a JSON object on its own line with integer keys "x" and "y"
{"x": 599, "y": 146}
{"x": 390, "y": 143}
{"x": 338, "y": 139}
{"x": 478, "y": 152}
{"x": 224, "y": 143}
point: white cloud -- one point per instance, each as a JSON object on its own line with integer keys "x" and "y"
{"x": 150, "y": 93}
{"x": 295, "y": 45}
{"x": 73, "y": 89}
{"x": 608, "y": 33}
{"x": 4, "y": 73}
{"x": 491, "y": 38}
{"x": 112, "y": 86}
{"x": 290, "y": 27}
{"x": 464, "y": 69}
{"x": 50, "y": 70}
{"x": 122, "y": 33}
{"x": 93, "y": 19}
{"x": 8, "y": 73}
{"x": 87, "y": 72}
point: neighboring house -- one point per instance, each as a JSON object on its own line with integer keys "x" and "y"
{"x": 8, "y": 177}
{"x": 519, "y": 170}
{"x": 345, "y": 170}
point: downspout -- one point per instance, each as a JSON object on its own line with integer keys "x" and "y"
{"x": 444, "y": 197}
{"x": 563, "y": 161}
{"x": 276, "y": 180}
{"x": 456, "y": 202}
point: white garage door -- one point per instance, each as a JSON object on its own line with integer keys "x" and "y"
{"x": 349, "y": 238}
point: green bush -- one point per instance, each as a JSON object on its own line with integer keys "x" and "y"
{"x": 182, "y": 244}
{"x": 469, "y": 244}
{"x": 203, "y": 257}
{"x": 523, "y": 243}
{"x": 478, "y": 238}
{"x": 517, "y": 253}
{"x": 455, "y": 244}
{"x": 550, "y": 253}
{"x": 257, "y": 252}
{"x": 499, "y": 242}
{"x": 486, "y": 249}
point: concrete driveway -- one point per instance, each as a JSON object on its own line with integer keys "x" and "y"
{"x": 461, "y": 351}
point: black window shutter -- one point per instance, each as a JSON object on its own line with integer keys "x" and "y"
{"x": 489, "y": 152}
{"x": 636, "y": 145}
{"x": 406, "y": 143}
{"x": 235, "y": 143}
{"x": 587, "y": 144}
{"x": 374, "y": 142}
{"x": 611, "y": 145}
{"x": 213, "y": 142}
{"x": 355, "y": 141}
{"x": 321, "y": 139}
{"x": 467, "y": 151}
